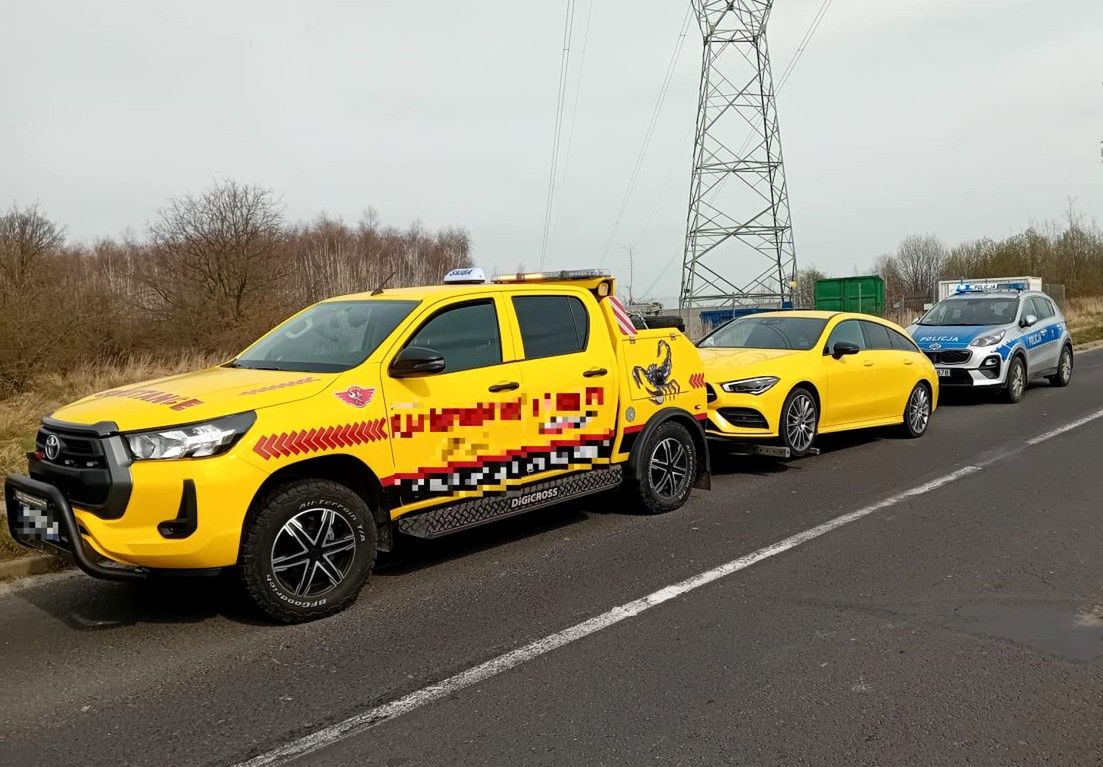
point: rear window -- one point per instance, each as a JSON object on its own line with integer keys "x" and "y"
{"x": 877, "y": 335}
{"x": 902, "y": 343}
{"x": 551, "y": 325}
{"x": 797, "y": 333}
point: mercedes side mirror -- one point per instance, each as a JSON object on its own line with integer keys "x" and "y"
{"x": 416, "y": 361}
{"x": 843, "y": 348}
{"x": 1028, "y": 321}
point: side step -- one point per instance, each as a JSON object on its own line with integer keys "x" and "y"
{"x": 441, "y": 520}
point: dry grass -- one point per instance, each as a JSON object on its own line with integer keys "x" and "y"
{"x": 1085, "y": 316}
{"x": 19, "y": 415}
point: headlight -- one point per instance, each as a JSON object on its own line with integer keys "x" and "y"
{"x": 197, "y": 440}
{"x": 749, "y": 385}
{"x": 989, "y": 339}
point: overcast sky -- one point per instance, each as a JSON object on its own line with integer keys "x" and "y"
{"x": 963, "y": 118}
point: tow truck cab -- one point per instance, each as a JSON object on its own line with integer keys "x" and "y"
{"x": 417, "y": 411}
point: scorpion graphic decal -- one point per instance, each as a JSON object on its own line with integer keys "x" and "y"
{"x": 655, "y": 378}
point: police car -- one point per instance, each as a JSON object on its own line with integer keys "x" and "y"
{"x": 996, "y": 337}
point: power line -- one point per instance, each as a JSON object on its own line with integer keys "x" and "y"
{"x": 561, "y": 95}
{"x": 679, "y": 44}
{"x": 574, "y": 116}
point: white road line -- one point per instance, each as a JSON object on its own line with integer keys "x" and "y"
{"x": 1067, "y": 427}
{"x": 360, "y": 722}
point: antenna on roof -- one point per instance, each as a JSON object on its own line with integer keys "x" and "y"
{"x": 383, "y": 284}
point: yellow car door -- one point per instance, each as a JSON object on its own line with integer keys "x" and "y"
{"x": 453, "y": 390}
{"x": 569, "y": 364}
{"x": 850, "y": 371}
{"x": 894, "y": 372}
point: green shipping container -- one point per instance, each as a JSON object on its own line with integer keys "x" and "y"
{"x": 851, "y": 294}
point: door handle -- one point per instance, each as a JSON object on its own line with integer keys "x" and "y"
{"x": 595, "y": 372}
{"x": 869, "y": 363}
{"x": 506, "y": 386}
{"x": 908, "y": 362}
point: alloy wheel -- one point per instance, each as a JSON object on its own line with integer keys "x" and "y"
{"x": 800, "y": 422}
{"x": 668, "y": 471}
{"x": 1066, "y": 365}
{"x": 919, "y": 410}
{"x": 313, "y": 552}
{"x": 1018, "y": 379}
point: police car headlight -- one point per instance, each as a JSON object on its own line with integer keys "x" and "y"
{"x": 197, "y": 440}
{"x": 750, "y": 385}
{"x": 989, "y": 339}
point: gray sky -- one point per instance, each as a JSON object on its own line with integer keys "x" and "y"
{"x": 963, "y": 118}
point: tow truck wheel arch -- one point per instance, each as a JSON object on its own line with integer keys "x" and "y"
{"x": 703, "y": 480}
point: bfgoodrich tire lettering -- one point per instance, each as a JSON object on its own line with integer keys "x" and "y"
{"x": 308, "y": 550}
{"x": 665, "y": 467}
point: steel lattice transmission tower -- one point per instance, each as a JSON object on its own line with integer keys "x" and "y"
{"x": 739, "y": 240}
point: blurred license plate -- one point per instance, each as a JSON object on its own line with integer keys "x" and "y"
{"x": 33, "y": 518}
{"x": 943, "y": 372}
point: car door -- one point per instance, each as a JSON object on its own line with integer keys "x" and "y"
{"x": 851, "y": 390}
{"x": 570, "y": 366}
{"x": 1042, "y": 337}
{"x": 452, "y": 432}
{"x": 893, "y": 373}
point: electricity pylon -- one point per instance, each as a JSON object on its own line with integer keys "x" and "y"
{"x": 739, "y": 239}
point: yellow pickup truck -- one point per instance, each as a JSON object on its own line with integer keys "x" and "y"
{"x": 407, "y": 411}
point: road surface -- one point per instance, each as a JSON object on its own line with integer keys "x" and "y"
{"x": 937, "y": 601}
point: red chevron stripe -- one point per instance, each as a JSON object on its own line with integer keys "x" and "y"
{"x": 320, "y": 439}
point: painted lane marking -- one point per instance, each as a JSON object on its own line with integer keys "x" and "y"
{"x": 368, "y": 719}
{"x": 1067, "y": 427}
{"x": 360, "y": 722}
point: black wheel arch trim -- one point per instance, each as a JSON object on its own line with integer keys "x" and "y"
{"x": 703, "y": 480}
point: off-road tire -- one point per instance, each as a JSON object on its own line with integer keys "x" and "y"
{"x": 917, "y": 412}
{"x": 1063, "y": 376}
{"x": 275, "y": 511}
{"x": 795, "y": 409}
{"x": 657, "y": 460}
{"x": 1014, "y": 389}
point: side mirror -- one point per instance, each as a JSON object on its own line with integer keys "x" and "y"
{"x": 843, "y": 348}
{"x": 416, "y": 361}
{"x": 1029, "y": 320}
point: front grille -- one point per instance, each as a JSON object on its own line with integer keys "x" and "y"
{"x": 79, "y": 470}
{"x": 743, "y": 417}
{"x": 950, "y": 356}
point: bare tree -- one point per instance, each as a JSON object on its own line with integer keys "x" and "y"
{"x": 805, "y": 293}
{"x": 27, "y": 237}
{"x": 221, "y": 254}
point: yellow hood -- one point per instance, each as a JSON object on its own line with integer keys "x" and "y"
{"x": 192, "y": 397}
{"x": 728, "y": 364}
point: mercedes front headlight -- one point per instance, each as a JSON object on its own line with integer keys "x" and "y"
{"x": 197, "y": 440}
{"x": 755, "y": 385}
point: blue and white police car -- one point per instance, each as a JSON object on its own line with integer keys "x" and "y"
{"x": 996, "y": 337}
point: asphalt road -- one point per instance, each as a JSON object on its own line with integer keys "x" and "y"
{"x": 960, "y": 624}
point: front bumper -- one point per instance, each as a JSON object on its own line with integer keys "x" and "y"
{"x": 740, "y": 417}
{"x": 974, "y": 375}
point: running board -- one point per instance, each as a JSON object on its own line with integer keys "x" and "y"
{"x": 442, "y": 520}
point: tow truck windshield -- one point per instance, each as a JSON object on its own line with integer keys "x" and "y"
{"x": 989, "y": 310}
{"x": 327, "y": 338}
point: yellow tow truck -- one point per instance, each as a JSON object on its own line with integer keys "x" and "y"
{"x": 407, "y": 411}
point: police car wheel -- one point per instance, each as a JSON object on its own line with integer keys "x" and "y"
{"x": 799, "y": 422}
{"x": 664, "y": 469}
{"x": 917, "y": 412}
{"x": 1016, "y": 380}
{"x": 1064, "y": 369}
{"x": 307, "y": 551}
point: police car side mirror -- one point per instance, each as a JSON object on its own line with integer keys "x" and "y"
{"x": 416, "y": 361}
{"x": 843, "y": 348}
{"x": 1029, "y": 320}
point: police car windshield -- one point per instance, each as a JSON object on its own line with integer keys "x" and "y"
{"x": 987, "y": 310}
{"x": 327, "y": 338}
{"x": 767, "y": 333}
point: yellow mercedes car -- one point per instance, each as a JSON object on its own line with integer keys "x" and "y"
{"x": 780, "y": 378}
